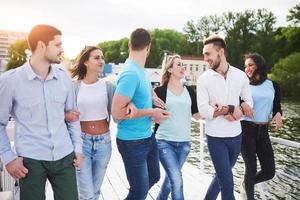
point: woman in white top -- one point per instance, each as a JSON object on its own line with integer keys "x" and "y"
{"x": 94, "y": 97}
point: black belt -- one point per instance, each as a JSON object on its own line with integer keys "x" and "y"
{"x": 253, "y": 124}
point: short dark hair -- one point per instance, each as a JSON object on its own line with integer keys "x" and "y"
{"x": 261, "y": 68}
{"x": 41, "y": 32}
{"x": 79, "y": 69}
{"x": 216, "y": 41}
{"x": 139, "y": 39}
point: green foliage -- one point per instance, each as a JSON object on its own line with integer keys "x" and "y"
{"x": 287, "y": 73}
{"x": 162, "y": 40}
{"x": 244, "y": 32}
{"x": 294, "y": 15}
{"x": 286, "y": 42}
{"x": 115, "y": 51}
{"x": 16, "y": 53}
{"x": 165, "y": 40}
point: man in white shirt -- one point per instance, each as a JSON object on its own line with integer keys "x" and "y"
{"x": 218, "y": 93}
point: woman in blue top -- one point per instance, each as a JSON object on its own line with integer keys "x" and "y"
{"x": 173, "y": 135}
{"x": 255, "y": 136}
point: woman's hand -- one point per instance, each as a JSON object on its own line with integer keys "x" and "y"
{"x": 158, "y": 102}
{"x": 277, "y": 120}
{"x": 72, "y": 115}
{"x": 247, "y": 110}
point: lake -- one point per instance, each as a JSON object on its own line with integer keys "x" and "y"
{"x": 286, "y": 183}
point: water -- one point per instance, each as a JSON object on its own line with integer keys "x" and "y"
{"x": 286, "y": 183}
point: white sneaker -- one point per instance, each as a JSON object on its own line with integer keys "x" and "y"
{"x": 243, "y": 194}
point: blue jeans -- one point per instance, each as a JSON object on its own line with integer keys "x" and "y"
{"x": 224, "y": 153}
{"x": 97, "y": 152}
{"x": 172, "y": 156}
{"x": 140, "y": 158}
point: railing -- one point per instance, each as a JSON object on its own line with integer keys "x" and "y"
{"x": 7, "y": 183}
{"x": 261, "y": 186}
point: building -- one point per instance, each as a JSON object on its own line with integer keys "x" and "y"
{"x": 6, "y": 39}
{"x": 194, "y": 66}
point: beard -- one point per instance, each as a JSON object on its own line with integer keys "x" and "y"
{"x": 216, "y": 63}
{"x": 56, "y": 60}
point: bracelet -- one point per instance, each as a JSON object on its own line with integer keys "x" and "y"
{"x": 230, "y": 109}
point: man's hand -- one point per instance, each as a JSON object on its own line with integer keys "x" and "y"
{"x": 236, "y": 115}
{"x": 78, "y": 159}
{"x": 16, "y": 168}
{"x": 277, "y": 120}
{"x": 131, "y": 110}
{"x": 159, "y": 115}
{"x": 72, "y": 115}
{"x": 219, "y": 109}
{"x": 247, "y": 110}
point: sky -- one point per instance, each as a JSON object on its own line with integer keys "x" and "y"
{"x": 88, "y": 22}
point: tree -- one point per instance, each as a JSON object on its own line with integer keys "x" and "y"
{"x": 165, "y": 40}
{"x": 264, "y": 42}
{"x": 115, "y": 51}
{"x": 294, "y": 15}
{"x": 196, "y": 32}
{"x": 240, "y": 37}
{"x": 16, "y": 53}
{"x": 287, "y": 73}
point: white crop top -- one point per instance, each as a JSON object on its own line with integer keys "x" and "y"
{"x": 92, "y": 101}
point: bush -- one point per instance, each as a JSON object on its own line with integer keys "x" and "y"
{"x": 287, "y": 73}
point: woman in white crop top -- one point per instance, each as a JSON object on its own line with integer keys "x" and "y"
{"x": 93, "y": 98}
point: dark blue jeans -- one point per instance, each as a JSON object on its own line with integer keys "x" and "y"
{"x": 140, "y": 158}
{"x": 172, "y": 156}
{"x": 224, "y": 153}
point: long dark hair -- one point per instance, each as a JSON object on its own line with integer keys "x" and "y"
{"x": 260, "y": 74}
{"x": 79, "y": 69}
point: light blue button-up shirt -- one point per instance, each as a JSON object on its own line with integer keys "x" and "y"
{"x": 38, "y": 107}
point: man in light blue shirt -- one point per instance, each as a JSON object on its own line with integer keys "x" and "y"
{"x": 135, "y": 141}
{"x": 37, "y": 95}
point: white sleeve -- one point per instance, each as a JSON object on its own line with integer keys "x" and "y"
{"x": 205, "y": 110}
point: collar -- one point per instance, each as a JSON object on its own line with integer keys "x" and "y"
{"x": 31, "y": 75}
{"x": 213, "y": 72}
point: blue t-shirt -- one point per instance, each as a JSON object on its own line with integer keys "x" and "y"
{"x": 263, "y": 97}
{"x": 133, "y": 83}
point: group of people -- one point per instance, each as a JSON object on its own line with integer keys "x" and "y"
{"x": 62, "y": 127}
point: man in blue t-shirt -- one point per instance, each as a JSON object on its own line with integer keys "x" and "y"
{"x": 132, "y": 103}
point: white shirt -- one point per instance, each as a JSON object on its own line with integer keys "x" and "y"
{"x": 92, "y": 101}
{"x": 213, "y": 88}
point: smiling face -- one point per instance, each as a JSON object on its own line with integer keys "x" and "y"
{"x": 177, "y": 69}
{"x": 250, "y": 67}
{"x": 212, "y": 55}
{"x": 95, "y": 62}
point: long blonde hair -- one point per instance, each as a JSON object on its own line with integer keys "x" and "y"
{"x": 165, "y": 77}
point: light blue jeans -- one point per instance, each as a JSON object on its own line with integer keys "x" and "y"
{"x": 97, "y": 152}
{"x": 172, "y": 156}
